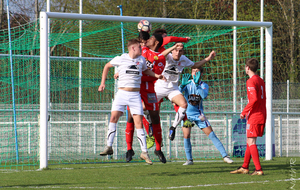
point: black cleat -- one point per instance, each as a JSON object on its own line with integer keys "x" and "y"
{"x": 160, "y": 155}
{"x": 129, "y": 155}
{"x": 172, "y": 133}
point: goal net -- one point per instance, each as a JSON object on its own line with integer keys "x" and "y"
{"x": 72, "y": 123}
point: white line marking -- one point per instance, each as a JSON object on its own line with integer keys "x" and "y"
{"x": 179, "y": 187}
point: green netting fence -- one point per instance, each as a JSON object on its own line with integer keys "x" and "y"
{"x": 78, "y": 125}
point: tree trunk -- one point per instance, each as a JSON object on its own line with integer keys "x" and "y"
{"x": 292, "y": 44}
{"x": 1, "y": 13}
{"x": 165, "y": 14}
{"x": 36, "y": 9}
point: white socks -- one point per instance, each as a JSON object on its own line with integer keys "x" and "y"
{"x": 142, "y": 139}
{"x": 179, "y": 116}
{"x": 111, "y": 133}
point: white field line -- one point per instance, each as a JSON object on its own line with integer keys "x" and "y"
{"x": 179, "y": 187}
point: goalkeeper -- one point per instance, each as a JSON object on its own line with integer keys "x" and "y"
{"x": 194, "y": 92}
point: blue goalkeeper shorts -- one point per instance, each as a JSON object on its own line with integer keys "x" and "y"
{"x": 198, "y": 122}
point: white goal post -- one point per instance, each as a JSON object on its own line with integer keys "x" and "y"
{"x": 44, "y": 61}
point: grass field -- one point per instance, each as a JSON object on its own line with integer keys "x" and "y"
{"x": 280, "y": 173}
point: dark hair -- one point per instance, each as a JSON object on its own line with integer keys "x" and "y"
{"x": 179, "y": 43}
{"x": 133, "y": 41}
{"x": 144, "y": 35}
{"x": 159, "y": 38}
{"x": 160, "y": 31}
{"x": 252, "y": 63}
{"x": 201, "y": 69}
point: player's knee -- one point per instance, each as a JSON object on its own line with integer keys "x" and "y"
{"x": 113, "y": 119}
{"x": 184, "y": 105}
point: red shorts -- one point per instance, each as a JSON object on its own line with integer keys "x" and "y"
{"x": 148, "y": 96}
{"x": 255, "y": 130}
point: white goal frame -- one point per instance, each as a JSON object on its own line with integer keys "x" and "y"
{"x": 44, "y": 61}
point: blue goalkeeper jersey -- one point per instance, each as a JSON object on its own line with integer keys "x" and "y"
{"x": 194, "y": 94}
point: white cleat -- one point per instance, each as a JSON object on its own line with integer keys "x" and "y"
{"x": 189, "y": 162}
{"x": 145, "y": 156}
{"x": 107, "y": 151}
{"x": 227, "y": 160}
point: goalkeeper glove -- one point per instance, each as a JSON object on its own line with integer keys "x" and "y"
{"x": 197, "y": 77}
{"x": 185, "y": 80}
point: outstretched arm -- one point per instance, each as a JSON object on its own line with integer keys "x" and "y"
{"x": 200, "y": 63}
{"x": 152, "y": 74}
{"x": 169, "y": 39}
{"x": 104, "y": 75}
{"x": 167, "y": 51}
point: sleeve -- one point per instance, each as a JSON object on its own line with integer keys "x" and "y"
{"x": 202, "y": 89}
{"x": 144, "y": 64}
{"x": 182, "y": 89}
{"x": 252, "y": 97}
{"x": 116, "y": 61}
{"x": 169, "y": 39}
{"x": 188, "y": 62}
{"x": 144, "y": 51}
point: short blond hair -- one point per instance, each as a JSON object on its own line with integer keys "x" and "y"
{"x": 132, "y": 42}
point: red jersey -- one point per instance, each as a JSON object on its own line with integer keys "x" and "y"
{"x": 255, "y": 110}
{"x": 169, "y": 39}
{"x": 155, "y": 62}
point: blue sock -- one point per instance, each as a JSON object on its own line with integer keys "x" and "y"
{"x": 188, "y": 148}
{"x": 217, "y": 143}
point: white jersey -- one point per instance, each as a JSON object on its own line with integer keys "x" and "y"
{"x": 172, "y": 71}
{"x": 130, "y": 70}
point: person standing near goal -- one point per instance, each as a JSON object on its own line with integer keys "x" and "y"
{"x": 194, "y": 92}
{"x": 130, "y": 68}
{"x": 175, "y": 63}
{"x": 255, "y": 113}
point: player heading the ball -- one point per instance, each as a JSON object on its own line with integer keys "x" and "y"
{"x": 130, "y": 68}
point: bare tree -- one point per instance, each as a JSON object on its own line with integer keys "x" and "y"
{"x": 1, "y": 13}
{"x": 287, "y": 21}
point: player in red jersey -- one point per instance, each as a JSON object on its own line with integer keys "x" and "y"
{"x": 147, "y": 120}
{"x": 256, "y": 114}
{"x": 155, "y": 62}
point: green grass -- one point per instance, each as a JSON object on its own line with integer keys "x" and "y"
{"x": 139, "y": 175}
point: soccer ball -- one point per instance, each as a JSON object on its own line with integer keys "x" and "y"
{"x": 144, "y": 25}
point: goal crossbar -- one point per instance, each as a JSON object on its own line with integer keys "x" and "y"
{"x": 77, "y": 16}
{"x": 44, "y": 61}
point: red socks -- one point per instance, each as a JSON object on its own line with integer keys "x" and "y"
{"x": 251, "y": 151}
{"x": 247, "y": 158}
{"x": 157, "y": 135}
{"x": 255, "y": 156}
{"x": 146, "y": 124}
{"x": 129, "y": 131}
